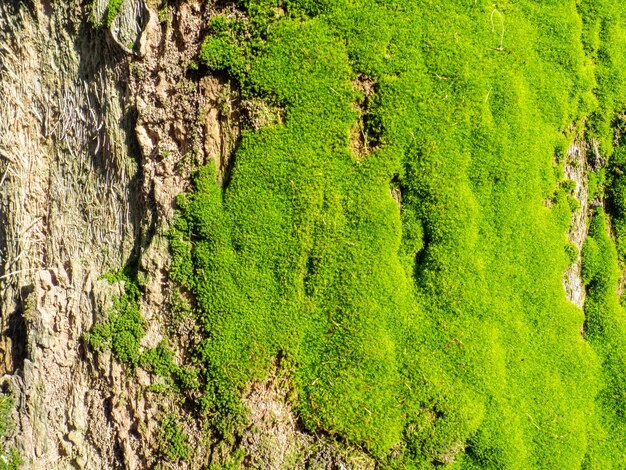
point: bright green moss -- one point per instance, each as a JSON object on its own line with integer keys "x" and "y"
{"x": 571, "y": 251}
{"x": 606, "y": 331}
{"x": 122, "y": 331}
{"x": 173, "y": 442}
{"x": 617, "y": 198}
{"x": 219, "y": 53}
{"x": 112, "y": 11}
{"x": 568, "y": 186}
{"x": 604, "y": 38}
{"x": 159, "y": 360}
{"x": 596, "y": 184}
{"x": 439, "y": 327}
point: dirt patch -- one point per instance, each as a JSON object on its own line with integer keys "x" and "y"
{"x": 275, "y": 439}
{"x": 449, "y": 457}
{"x": 364, "y": 135}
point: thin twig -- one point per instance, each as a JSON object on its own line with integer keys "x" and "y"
{"x": 493, "y": 27}
{"x": 5, "y": 174}
{"x": 19, "y": 271}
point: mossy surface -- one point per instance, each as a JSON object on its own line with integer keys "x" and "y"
{"x": 9, "y": 457}
{"x": 605, "y": 329}
{"x": 434, "y": 330}
{"x": 113, "y": 9}
{"x": 173, "y": 442}
{"x": 123, "y": 329}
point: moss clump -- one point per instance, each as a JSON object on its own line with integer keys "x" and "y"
{"x": 435, "y": 330}
{"x": 113, "y": 9}
{"x": 173, "y": 442}
{"x": 617, "y": 198}
{"x": 225, "y": 48}
{"x": 568, "y": 186}
{"x": 219, "y": 53}
{"x": 159, "y": 360}
{"x": 9, "y": 459}
{"x": 605, "y": 329}
{"x": 122, "y": 331}
{"x": 571, "y": 250}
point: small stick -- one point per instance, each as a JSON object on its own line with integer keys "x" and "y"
{"x": 493, "y": 27}
{"x": 5, "y": 174}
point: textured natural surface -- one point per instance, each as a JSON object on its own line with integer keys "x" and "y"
{"x": 416, "y": 288}
{"x": 312, "y": 234}
{"x": 66, "y": 214}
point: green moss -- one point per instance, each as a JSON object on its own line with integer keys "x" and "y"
{"x": 124, "y": 328}
{"x": 122, "y": 331}
{"x": 568, "y": 186}
{"x": 604, "y": 39}
{"x": 225, "y": 49}
{"x": 233, "y": 461}
{"x": 436, "y": 330}
{"x": 9, "y": 458}
{"x": 596, "y": 184}
{"x": 164, "y": 14}
{"x": 112, "y": 11}
{"x": 617, "y": 198}
{"x": 606, "y": 331}
{"x": 159, "y": 360}
{"x": 173, "y": 442}
{"x": 219, "y": 53}
{"x": 571, "y": 250}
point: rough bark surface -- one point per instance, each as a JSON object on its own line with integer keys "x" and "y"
{"x": 72, "y": 207}
{"x": 576, "y": 170}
